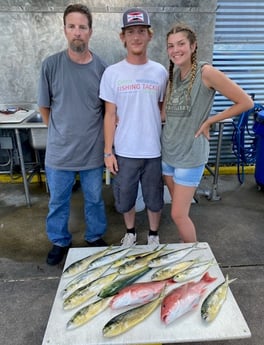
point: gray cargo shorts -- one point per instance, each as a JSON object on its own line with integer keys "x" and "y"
{"x": 125, "y": 183}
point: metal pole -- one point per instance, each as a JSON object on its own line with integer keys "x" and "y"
{"x": 22, "y": 166}
{"x": 214, "y": 192}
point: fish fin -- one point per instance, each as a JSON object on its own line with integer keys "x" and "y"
{"x": 195, "y": 246}
{"x": 162, "y": 293}
{"x": 162, "y": 247}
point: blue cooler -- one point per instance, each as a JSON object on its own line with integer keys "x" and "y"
{"x": 259, "y": 131}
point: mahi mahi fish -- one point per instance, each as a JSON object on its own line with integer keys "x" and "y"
{"x": 214, "y": 301}
{"x": 173, "y": 256}
{"x": 138, "y": 293}
{"x": 87, "y": 313}
{"x": 130, "y": 318}
{"x": 110, "y": 257}
{"x": 171, "y": 270}
{"x": 83, "y": 279}
{"x": 183, "y": 299}
{"x": 82, "y": 264}
{"x": 127, "y": 258}
{"x": 115, "y": 286}
{"x": 140, "y": 262}
{"x": 84, "y": 293}
{"x": 193, "y": 271}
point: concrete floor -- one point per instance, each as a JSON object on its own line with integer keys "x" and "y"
{"x": 233, "y": 227}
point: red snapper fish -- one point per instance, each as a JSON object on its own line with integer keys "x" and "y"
{"x": 139, "y": 293}
{"x": 184, "y": 298}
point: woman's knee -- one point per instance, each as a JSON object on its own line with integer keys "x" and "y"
{"x": 177, "y": 216}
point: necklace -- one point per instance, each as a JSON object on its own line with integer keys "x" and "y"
{"x": 184, "y": 75}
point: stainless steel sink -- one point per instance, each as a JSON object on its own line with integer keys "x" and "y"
{"x": 37, "y": 136}
{"x": 35, "y": 118}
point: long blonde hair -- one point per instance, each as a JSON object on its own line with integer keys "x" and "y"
{"x": 191, "y": 36}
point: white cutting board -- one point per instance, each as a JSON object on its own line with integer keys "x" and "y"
{"x": 229, "y": 324}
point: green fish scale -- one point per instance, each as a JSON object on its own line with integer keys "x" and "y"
{"x": 117, "y": 285}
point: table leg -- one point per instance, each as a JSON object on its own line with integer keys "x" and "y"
{"x": 22, "y": 166}
{"x": 214, "y": 191}
{"x": 212, "y": 194}
{"x": 107, "y": 177}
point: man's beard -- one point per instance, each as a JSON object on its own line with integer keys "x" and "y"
{"x": 77, "y": 46}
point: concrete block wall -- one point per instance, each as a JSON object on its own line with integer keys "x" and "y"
{"x": 33, "y": 29}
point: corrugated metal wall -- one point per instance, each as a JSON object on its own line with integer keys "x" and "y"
{"x": 238, "y": 52}
{"x": 239, "y": 22}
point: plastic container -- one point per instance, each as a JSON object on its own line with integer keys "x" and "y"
{"x": 259, "y": 165}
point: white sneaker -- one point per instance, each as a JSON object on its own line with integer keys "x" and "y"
{"x": 153, "y": 240}
{"x": 128, "y": 240}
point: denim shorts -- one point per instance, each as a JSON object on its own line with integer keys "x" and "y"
{"x": 190, "y": 177}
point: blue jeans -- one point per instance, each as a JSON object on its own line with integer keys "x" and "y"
{"x": 60, "y": 183}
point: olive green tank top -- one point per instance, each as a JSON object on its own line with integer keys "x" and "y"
{"x": 184, "y": 115}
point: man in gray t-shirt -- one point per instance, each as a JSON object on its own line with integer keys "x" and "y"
{"x": 69, "y": 104}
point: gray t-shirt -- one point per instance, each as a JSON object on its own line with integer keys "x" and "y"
{"x": 75, "y": 132}
{"x": 184, "y": 116}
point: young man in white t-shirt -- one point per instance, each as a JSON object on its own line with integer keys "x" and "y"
{"x": 133, "y": 90}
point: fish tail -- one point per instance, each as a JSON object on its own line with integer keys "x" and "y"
{"x": 229, "y": 281}
{"x": 170, "y": 281}
{"x": 207, "y": 278}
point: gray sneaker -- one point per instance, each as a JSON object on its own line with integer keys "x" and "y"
{"x": 128, "y": 240}
{"x": 153, "y": 240}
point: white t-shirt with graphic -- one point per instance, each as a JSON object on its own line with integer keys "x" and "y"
{"x": 136, "y": 90}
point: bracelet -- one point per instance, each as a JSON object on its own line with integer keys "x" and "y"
{"x": 106, "y": 155}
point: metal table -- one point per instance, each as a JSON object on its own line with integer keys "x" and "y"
{"x": 25, "y": 124}
{"x": 212, "y": 193}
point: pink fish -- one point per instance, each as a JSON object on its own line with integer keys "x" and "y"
{"x": 138, "y": 293}
{"x": 184, "y": 298}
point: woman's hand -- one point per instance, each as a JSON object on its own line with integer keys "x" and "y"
{"x": 204, "y": 129}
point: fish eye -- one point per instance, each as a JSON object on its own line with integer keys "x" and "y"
{"x": 205, "y": 316}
